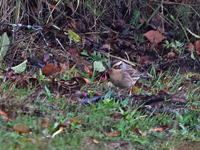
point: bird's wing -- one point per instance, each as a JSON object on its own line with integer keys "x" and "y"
{"x": 132, "y": 72}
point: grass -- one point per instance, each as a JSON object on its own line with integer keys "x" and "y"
{"x": 28, "y": 108}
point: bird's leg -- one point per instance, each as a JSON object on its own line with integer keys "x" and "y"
{"x": 118, "y": 95}
{"x": 130, "y": 93}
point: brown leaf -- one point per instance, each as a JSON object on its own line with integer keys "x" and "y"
{"x": 74, "y": 52}
{"x": 190, "y": 47}
{"x": 178, "y": 99}
{"x": 49, "y": 69}
{"x": 21, "y": 128}
{"x": 198, "y": 47}
{"x": 154, "y": 36}
{"x": 45, "y": 122}
{"x": 113, "y": 134}
{"x": 138, "y": 131}
{"x": 117, "y": 116}
{"x": 171, "y": 55}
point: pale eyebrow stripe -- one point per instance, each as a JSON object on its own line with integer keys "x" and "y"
{"x": 118, "y": 63}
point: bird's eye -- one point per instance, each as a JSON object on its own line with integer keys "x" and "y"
{"x": 118, "y": 67}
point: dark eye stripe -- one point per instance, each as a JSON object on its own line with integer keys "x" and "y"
{"x": 118, "y": 67}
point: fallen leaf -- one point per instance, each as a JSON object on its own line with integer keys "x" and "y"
{"x": 192, "y": 107}
{"x": 75, "y": 120}
{"x": 154, "y": 36}
{"x": 74, "y": 52}
{"x": 87, "y": 80}
{"x": 95, "y": 141}
{"x": 3, "y": 115}
{"x": 190, "y": 47}
{"x": 135, "y": 90}
{"x": 171, "y": 55}
{"x": 157, "y": 129}
{"x": 49, "y": 69}
{"x": 117, "y": 116}
{"x": 113, "y": 134}
{"x": 178, "y": 99}
{"x": 160, "y": 129}
{"x": 135, "y": 129}
{"x": 45, "y": 122}
{"x": 198, "y": 47}
{"x": 21, "y": 128}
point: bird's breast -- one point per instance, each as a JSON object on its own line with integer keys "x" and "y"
{"x": 119, "y": 80}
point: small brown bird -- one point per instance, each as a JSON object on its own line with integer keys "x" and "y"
{"x": 123, "y": 75}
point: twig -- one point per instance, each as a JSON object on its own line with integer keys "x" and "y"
{"x": 183, "y": 30}
{"x": 126, "y": 61}
{"x": 197, "y": 36}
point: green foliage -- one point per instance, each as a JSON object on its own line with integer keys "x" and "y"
{"x": 20, "y": 68}
{"x": 184, "y": 13}
{"x": 95, "y": 56}
{"x": 135, "y": 19}
{"x": 4, "y": 41}
{"x": 93, "y": 7}
{"x": 73, "y": 36}
{"x": 177, "y": 46}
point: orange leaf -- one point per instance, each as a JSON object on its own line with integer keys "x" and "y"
{"x": 86, "y": 80}
{"x": 192, "y": 107}
{"x": 45, "y": 122}
{"x": 198, "y": 47}
{"x": 3, "y": 115}
{"x": 161, "y": 129}
{"x": 113, "y": 134}
{"x": 75, "y": 120}
{"x": 157, "y": 129}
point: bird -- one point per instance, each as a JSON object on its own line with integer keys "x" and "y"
{"x": 123, "y": 75}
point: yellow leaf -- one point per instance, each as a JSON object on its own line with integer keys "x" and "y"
{"x": 135, "y": 90}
